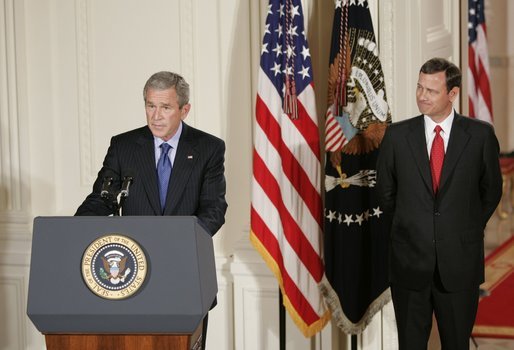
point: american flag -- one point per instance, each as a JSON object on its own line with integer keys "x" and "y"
{"x": 334, "y": 135}
{"x": 480, "y": 102}
{"x": 286, "y": 211}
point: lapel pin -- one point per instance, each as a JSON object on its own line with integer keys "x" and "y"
{"x": 190, "y": 157}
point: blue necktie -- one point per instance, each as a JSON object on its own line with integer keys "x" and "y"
{"x": 164, "y": 173}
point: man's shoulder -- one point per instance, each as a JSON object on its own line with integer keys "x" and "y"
{"x": 472, "y": 121}
{"x": 473, "y": 125}
{"x": 134, "y": 134}
{"x": 406, "y": 124}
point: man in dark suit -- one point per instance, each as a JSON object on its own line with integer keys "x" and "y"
{"x": 177, "y": 169}
{"x": 439, "y": 180}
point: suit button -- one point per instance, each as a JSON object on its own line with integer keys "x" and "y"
{"x": 437, "y": 213}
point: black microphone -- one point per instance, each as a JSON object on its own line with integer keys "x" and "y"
{"x": 106, "y": 187}
{"x": 125, "y": 186}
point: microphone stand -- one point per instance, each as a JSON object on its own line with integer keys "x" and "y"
{"x": 124, "y": 192}
{"x": 115, "y": 206}
{"x": 111, "y": 201}
{"x": 109, "y": 198}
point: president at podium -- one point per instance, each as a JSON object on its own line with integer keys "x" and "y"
{"x": 164, "y": 168}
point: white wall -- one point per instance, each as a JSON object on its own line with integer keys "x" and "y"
{"x": 71, "y": 76}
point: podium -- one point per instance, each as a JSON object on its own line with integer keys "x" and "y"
{"x": 129, "y": 282}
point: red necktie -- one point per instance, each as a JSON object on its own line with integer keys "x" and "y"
{"x": 436, "y": 158}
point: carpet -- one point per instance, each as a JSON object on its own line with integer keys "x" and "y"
{"x": 495, "y": 317}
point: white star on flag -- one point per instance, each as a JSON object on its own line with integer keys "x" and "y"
{"x": 277, "y": 50}
{"x": 331, "y": 215}
{"x": 294, "y": 11}
{"x": 276, "y": 68}
{"x": 348, "y": 219}
{"x": 306, "y": 52}
{"x": 305, "y": 72}
{"x": 359, "y": 219}
{"x": 264, "y": 48}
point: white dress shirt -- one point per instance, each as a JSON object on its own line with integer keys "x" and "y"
{"x": 446, "y": 126}
{"x": 173, "y": 142}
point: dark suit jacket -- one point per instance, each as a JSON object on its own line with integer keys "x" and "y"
{"x": 197, "y": 184}
{"x": 444, "y": 230}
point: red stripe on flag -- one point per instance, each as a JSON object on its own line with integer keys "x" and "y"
{"x": 479, "y": 90}
{"x": 472, "y": 76}
{"x": 483, "y": 85}
{"x": 334, "y": 136}
{"x": 472, "y": 67}
{"x": 292, "y": 231}
{"x": 268, "y": 240}
{"x": 471, "y": 107}
{"x": 335, "y": 141}
{"x": 309, "y": 130}
{"x": 292, "y": 169}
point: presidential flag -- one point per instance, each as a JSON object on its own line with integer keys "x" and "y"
{"x": 479, "y": 91}
{"x": 356, "y": 233}
{"x": 286, "y": 210}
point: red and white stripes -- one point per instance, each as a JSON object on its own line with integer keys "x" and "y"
{"x": 286, "y": 212}
{"x": 334, "y": 136}
{"x": 479, "y": 91}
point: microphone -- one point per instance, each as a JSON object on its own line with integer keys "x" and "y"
{"x": 106, "y": 187}
{"x": 125, "y": 186}
{"x": 124, "y": 191}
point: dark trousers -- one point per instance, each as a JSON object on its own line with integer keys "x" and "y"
{"x": 455, "y": 313}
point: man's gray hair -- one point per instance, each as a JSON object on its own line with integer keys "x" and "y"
{"x": 166, "y": 80}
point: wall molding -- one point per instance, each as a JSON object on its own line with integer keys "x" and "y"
{"x": 17, "y": 306}
{"x": 386, "y": 44}
{"x": 187, "y": 10}
{"x": 15, "y": 226}
{"x": 11, "y": 258}
{"x": 221, "y": 319}
{"x": 84, "y": 98}
{"x": 14, "y": 190}
{"x": 10, "y": 170}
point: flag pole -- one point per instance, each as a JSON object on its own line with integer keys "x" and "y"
{"x": 281, "y": 321}
{"x": 354, "y": 342}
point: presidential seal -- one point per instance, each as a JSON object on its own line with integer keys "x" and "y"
{"x": 114, "y": 266}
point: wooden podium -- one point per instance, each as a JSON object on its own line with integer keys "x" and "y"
{"x": 162, "y": 308}
{"x": 125, "y": 341}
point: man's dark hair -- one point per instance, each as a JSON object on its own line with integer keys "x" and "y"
{"x": 452, "y": 72}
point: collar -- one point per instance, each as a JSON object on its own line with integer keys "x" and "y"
{"x": 173, "y": 142}
{"x": 446, "y": 124}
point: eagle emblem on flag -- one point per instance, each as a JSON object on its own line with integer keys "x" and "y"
{"x": 363, "y": 113}
{"x": 356, "y": 234}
